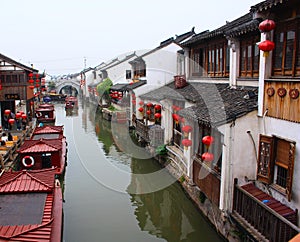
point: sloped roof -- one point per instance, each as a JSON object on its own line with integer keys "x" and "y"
{"x": 4, "y": 59}
{"x": 265, "y": 5}
{"x": 34, "y": 195}
{"x": 127, "y": 86}
{"x": 42, "y": 145}
{"x": 27, "y": 181}
{"x": 49, "y": 129}
{"x": 243, "y": 24}
{"x": 178, "y": 40}
{"x": 214, "y": 104}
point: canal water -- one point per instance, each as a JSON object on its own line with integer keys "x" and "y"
{"x": 115, "y": 192}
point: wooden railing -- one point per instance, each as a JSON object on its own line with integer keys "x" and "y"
{"x": 265, "y": 220}
{"x": 142, "y": 130}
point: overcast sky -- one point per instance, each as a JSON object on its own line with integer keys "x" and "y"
{"x": 57, "y": 35}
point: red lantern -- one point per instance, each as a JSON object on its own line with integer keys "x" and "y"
{"x": 148, "y": 112}
{"x": 157, "y": 107}
{"x": 30, "y": 74}
{"x": 207, "y": 156}
{"x": 266, "y": 46}
{"x": 149, "y": 105}
{"x": 187, "y": 128}
{"x": 266, "y": 25}
{"x": 186, "y": 143}
{"x": 175, "y": 117}
{"x": 18, "y": 115}
{"x": 141, "y": 103}
{"x": 31, "y": 86}
{"x": 24, "y": 116}
{"x": 31, "y": 81}
{"x": 207, "y": 140}
{"x": 7, "y": 112}
{"x": 37, "y": 85}
{"x": 37, "y": 80}
{"x": 157, "y": 115}
{"x": 11, "y": 121}
{"x": 141, "y": 109}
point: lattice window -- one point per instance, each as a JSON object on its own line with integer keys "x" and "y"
{"x": 276, "y": 163}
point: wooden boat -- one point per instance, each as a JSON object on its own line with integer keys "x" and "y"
{"x": 46, "y": 148}
{"x": 71, "y": 102}
{"x": 31, "y": 206}
{"x": 45, "y": 113}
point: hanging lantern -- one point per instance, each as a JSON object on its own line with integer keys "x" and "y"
{"x": 157, "y": 107}
{"x": 141, "y": 109}
{"x": 266, "y": 25}
{"x": 133, "y": 102}
{"x": 37, "y": 85}
{"x": 18, "y": 115}
{"x": 186, "y": 143}
{"x": 7, "y": 112}
{"x": 31, "y": 81}
{"x": 207, "y": 156}
{"x": 31, "y": 87}
{"x": 266, "y": 46}
{"x": 157, "y": 115}
{"x": 37, "y": 80}
{"x": 176, "y": 117}
{"x": 141, "y": 103}
{"x": 11, "y": 121}
{"x": 149, "y": 105}
{"x": 30, "y": 74}
{"x": 148, "y": 112}
{"x": 186, "y": 130}
{"x": 24, "y": 116}
{"x": 207, "y": 140}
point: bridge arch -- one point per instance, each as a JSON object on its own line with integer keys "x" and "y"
{"x": 67, "y": 82}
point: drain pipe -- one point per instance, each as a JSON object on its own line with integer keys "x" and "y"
{"x": 253, "y": 142}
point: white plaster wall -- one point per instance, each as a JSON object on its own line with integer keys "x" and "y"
{"x": 89, "y": 79}
{"x": 161, "y": 65}
{"x": 117, "y": 73}
{"x": 290, "y": 131}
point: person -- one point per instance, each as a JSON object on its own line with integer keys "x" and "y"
{"x": 9, "y": 137}
{"x": 4, "y": 137}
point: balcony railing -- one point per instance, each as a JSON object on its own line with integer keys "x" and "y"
{"x": 142, "y": 130}
{"x": 273, "y": 226}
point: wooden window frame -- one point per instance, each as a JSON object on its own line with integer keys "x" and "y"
{"x": 273, "y": 153}
{"x": 280, "y": 52}
{"x": 250, "y": 60}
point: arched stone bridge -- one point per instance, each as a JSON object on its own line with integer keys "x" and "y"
{"x": 60, "y": 84}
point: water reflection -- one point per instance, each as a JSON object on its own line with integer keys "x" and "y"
{"x": 166, "y": 213}
{"x": 105, "y": 189}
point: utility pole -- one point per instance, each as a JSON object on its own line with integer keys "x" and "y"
{"x": 84, "y": 59}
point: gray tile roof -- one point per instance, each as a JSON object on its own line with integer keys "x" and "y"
{"x": 214, "y": 104}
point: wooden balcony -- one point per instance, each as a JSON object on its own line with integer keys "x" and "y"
{"x": 262, "y": 216}
{"x": 142, "y": 130}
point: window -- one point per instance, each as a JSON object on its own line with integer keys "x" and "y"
{"x": 212, "y": 60}
{"x": 249, "y": 60}
{"x": 215, "y": 148}
{"x": 286, "y": 56}
{"x": 276, "y": 163}
{"x": 128, "y": 74}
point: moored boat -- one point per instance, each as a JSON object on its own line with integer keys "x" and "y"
{"x": 46, "y": 148}
{"x": 45, "y": 113}
{"x": 71, "y": 102}
{"x": 31, "y": 206}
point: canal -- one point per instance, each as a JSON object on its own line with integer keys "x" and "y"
{"x": 113, "y": 194}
